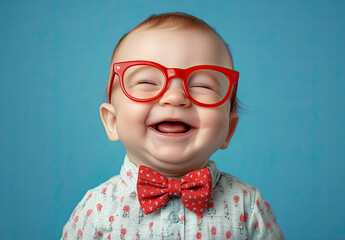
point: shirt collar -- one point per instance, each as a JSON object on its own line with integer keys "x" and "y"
{"x": 129, "y": 173}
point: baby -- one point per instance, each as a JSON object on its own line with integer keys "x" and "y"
{"x": 172, "y": 104}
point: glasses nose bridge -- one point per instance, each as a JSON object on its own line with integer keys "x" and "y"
{"x": 174, "y": 73}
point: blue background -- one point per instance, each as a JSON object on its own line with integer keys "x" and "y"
{"x": 289, "y": 143}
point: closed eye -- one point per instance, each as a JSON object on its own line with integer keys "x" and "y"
{"x": 147, "y": 82}
{"x": 201, "y": 86}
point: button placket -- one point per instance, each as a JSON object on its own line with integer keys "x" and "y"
{"x": 174, "y": 217}
{"x": 171, "y": 219}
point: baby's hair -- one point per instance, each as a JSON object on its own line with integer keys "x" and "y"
{"x": 179, "y": 21}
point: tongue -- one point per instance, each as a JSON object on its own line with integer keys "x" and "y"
{"x": 170, "y": 127}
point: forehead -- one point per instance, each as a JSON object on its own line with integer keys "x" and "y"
{"x": 174, "y": 48}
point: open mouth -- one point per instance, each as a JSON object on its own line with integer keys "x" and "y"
{"x": 171, "y": 127}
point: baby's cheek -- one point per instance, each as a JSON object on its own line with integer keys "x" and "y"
{"x": 127, "y": 126}
{"x": 218, "y": 119}
{"x": 216, "y": 126}
{"x": 131, "y": 117}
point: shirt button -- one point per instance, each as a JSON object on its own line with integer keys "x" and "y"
{"x": 174, "y": 218}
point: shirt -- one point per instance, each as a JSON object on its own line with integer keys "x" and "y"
{"x": 236, "y": 210}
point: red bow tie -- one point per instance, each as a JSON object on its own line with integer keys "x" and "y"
{"x": 154, "y": 189}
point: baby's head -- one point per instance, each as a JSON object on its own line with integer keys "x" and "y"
{"x": 171, "y": 94}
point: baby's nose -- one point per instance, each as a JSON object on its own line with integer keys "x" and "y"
{"x": 175, "y": 95}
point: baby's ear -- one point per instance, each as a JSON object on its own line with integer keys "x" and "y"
{"x": 108, "y": 116}
{"x": 233, "y": 120}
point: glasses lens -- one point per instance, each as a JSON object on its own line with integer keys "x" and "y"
{"x": 207, "y": 86}
{"x": 143, "y": 81}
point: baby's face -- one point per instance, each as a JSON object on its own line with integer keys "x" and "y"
{"x": 171, "y": 135}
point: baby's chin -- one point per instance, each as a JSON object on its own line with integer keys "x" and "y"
{"x": 174, "y": 165}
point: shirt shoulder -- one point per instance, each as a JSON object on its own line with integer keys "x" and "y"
{"x": 245, "y": 204}
{"x": 84, "y": 220}
{"x": 232, "y": 185}
{"x": 107, "y": 187}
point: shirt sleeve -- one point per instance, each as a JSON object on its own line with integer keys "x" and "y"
{"x": 262, "y": 222}
{"x": 83, "y": 221}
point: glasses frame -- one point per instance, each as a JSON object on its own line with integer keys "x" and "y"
{"x": 120, "y": 68}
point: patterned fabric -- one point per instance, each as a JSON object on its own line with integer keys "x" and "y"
{"x": 154, "y": 190}
{"x": 236, "y": 210}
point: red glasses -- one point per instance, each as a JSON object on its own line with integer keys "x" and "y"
{"x": 204, "y": 85}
